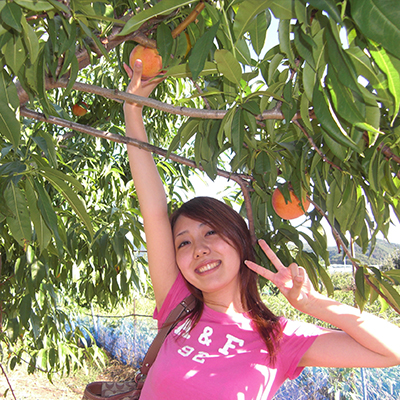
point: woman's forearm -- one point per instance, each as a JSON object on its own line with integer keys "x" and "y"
{"x": 148, "y": 184}
{"x": 372, "y": 332}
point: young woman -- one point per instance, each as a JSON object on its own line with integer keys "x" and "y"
{"x": 232, "y": 346}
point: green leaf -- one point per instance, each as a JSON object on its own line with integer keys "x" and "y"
{"x": 11, "y": 15}
{"x": 363, "y": 65}
{"x": 258, "y": 31}
{"x": 74, "y": 201}
{"x": 327, "y": 281}
{"x": 164, "y": 43}
{"x": 31, "y": 41}
{"x": 228, "y": 66}
{"x": 238, "y": 132}
{"x": 183, "y": 71}
{"x": 48, "y": 214}
{"x": 35, "y": 5}
{"x": 20, "y": 222}
{"x": 245, "y": 15}
{"x": 343, "y": 100}
{"x": 59, "y": 6}
{"x": 9, "y": 125}
{"x": 14, "y": 53}
{"x": 242, "y": 52}
{"x": 304, "y": 45}
{"x": 161, "y": 8}
{"x": 329, "y": 6}
{"x": 325, "y": 115}
{"x": 118, "y": 245}
{"x": 284, "y": 40}
{"x": 283, "y": 9}
{"x": 25, "y": 310}
{"x": 201, "y": 51}
{"x": 379, "y": 21}
{"x": 391, "y": 67}
{"x": 392, "y": 294}
{"x": 60, "y": 175}
{"x": 43, "y": 234}
{"x": 90, "y": 33}
{"x": 46, "y": 144}
{"x": 188, "y": 130}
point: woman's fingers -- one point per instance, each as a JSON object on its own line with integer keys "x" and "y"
{"x": 128, "y": 70}
{"x": 271, "y": 255}
{"x": 298, "y": 276}
{"x": 267, "y": 274}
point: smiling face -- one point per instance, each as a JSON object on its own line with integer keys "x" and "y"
{"x": 207, "y": 260}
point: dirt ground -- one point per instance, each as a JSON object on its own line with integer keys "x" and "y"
{"x": 37, "y": 386}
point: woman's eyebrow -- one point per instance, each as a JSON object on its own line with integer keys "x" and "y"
{"x": 201, "y": 224}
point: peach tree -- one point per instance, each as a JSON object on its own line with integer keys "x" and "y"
{"x": 300, "y": 95}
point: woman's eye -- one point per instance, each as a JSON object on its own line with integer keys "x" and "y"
{"x": 211, "y": 233}
{"x": 184, "y": 243}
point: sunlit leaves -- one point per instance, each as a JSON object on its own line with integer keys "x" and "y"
{"x": 379, "y": 21}
{"x": 246, "y": 15}
{"x": 390, "y": 65}
{"x": 161, "y": 8}
{"x": 19, "y": 221}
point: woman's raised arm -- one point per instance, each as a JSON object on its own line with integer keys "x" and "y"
{"x": 364, "y": 340}
{"x": 150, "y": 192}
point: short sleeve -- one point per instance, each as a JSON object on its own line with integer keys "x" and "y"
{"x": 177, "y": 293}
{"x": 297, "y": 339}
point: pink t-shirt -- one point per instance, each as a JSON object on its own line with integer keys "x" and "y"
{"x": 222, "y": 357}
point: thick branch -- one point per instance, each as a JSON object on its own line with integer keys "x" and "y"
{"x": 119, "y": 96}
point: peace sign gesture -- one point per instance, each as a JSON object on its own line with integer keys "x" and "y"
{"x": 292, "y": 281}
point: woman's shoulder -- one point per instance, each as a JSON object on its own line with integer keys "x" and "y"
{"x": 299, "y": 328}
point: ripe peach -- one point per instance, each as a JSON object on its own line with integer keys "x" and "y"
{"x": 80, "y": 109}
{"x": 152, "y": 61}
{"x": 290, "y": 210}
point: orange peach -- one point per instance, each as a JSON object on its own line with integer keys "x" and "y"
{"x": 290, "y": 210}
{"x": 152, "y": 61}
{"x": 80, "y": 109}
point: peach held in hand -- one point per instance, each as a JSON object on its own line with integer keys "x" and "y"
{"x": 151, "y": 60}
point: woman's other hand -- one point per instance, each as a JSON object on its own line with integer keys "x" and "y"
{"x": 292, "y": 281}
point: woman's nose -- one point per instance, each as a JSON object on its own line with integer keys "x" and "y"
{"x": 201, "y": 250}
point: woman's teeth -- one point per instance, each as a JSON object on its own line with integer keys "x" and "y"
{"x": 207, "y": 267}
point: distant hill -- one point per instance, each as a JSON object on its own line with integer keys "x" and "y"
{"x": 382, "y": 250}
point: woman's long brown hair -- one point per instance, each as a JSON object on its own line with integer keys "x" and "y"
{"x": 232, "y": 227}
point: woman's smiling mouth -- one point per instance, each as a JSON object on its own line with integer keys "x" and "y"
{"x": 207, "y": 267}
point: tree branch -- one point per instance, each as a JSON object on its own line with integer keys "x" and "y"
{"x": 188, "y": 20}
{"x": 241, "y": 179}
{"x": 119, "y": 96}
{"x": 316, "y": 148}
{"x": 349, "y": 255}
{"x": 8, "y": 382}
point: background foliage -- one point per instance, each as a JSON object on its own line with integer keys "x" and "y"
{"x": 317, "y": 113}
